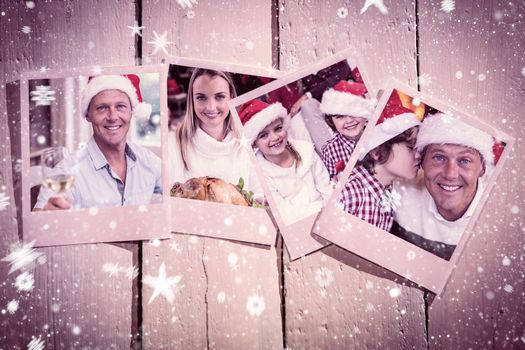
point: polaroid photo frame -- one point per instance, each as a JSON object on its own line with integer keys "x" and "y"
{"x": 296, "y": 191}
{"x": 424, "y": 246}
{"x": 197, "y": 206}
{"x": 45, "y": 110}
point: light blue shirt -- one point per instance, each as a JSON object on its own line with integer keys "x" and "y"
{"x": 97, "y": 185}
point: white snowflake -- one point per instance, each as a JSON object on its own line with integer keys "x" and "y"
{"x": 233, "y": 261}
{"x": 508, "y": 288}
{"x": 459, "y": 74}
{"x": 24, "y": 281}
{"x": 324, "y": 277}
{"x": 162, "y": 284}
{"x": 523, "y": 71}
{"x": 271, "y": 69}
{"x": 342, "y": 12}
{"x": 447, "y": 119}
{"x": 395, "y": 292}
{"x": 255, "y": 305}
{"x": 30, "y": 4}
{"x": 221, "y": 297}
{"x": 175, "y": 247}
{"x": 245, "y": 142}
{"x": 96, "y": 70}
{"x": 132, "y": 272}
{"x": 249, "y": 44}
{"x": 505, "y": 261}
{"x": 22, "y": 257}
{"x": 187, "y": 3}
{"x": 12, "y": 306}
{"x": 136, "y": 29}
{"x": 190, "y": 14}
{"x": 76, "y": 330}
{"x": 160, "y": 42}
{"x": 112, "y": 269}
{"x": 448, "y": 5}
{"x": 36, "y": 344}
{"x": 391, "y": 200}
{"x": 154, "y": 243}
{"x": 411, "y": 255}
{"x": 43, "y": 95}
{"x": 370, "y": 307}
{"x": 26, "y": 29}
{"x": 4, "y": 201}
{"x": 425, "y": 79}
{"x": 377, "y": 3}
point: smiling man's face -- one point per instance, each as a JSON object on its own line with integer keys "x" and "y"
{"x": 110, "y": 114}
{"x": 451, "y": 177}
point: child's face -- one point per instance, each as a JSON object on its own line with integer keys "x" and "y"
{"x": 348, "y": 126}
{"x": 403, "y": 161}
{"x": 271, "y": 141}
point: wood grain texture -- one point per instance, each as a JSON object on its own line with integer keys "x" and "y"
{"x": 334, "y": 299}
{"x": 218, "y": 277}
{"x": 229, "y": 31}
{"x": 471, "y": 56}
{"x": 70, "y": 289}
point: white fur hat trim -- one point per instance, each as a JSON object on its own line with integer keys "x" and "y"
{"x": 388, "y": 129}
{"x": 114, "y": 82}
{"x": 442, "y": 129}
{"x": 344, "y": 103}
{"x": 260, "y": 120}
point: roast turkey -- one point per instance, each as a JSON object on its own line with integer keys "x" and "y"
{"x": 209, "y": 189}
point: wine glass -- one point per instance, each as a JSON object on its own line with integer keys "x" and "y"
{"x": 57, "y": 169}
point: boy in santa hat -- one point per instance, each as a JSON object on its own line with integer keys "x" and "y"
{"x": 294, "y": 172}
{"x": 110, "y": 170}
{"x": 388, "y": 155}
{"x": 346, "y": 111}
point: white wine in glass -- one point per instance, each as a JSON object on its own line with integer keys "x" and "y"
{"x": 57, "y": 169}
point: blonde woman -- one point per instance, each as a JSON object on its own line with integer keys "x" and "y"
{"x": 206, "y": 142}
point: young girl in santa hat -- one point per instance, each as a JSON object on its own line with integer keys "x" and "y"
{"x": 206, "y": 143}
{"x": 388, "y": 155}
{"x": 296, "y": 176}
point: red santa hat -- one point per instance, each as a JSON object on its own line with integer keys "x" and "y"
{"x": 255, "y": 115}
{"x": 394, "y": 120}
{"x": 347, "y": 98}
{"x": 128, "y": 84}
{"x": 441, "y": 129}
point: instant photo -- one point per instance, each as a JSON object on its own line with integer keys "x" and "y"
{"x": 413, "y": 193}
{"x": 302, "y": 130}
{"x": 214, "y": 189}
{"x": 87, "y": 155}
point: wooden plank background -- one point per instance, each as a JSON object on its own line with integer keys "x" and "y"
{"x": 472, "y": 57}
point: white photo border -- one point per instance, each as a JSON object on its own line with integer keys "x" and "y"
{"x": 80, "y": 226}
{"x": 394, "y": 253}
{"x": 224, "y": 221}
{"x": 297, "y": 236}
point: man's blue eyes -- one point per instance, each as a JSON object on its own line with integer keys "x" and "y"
{"x": 463, "y": 161}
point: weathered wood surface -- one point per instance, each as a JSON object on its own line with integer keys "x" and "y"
{"x": 474, "y": 57}
{"x": 218, "y": 277}
{"x": 333, "y": 299}
{"x": 73, "y": 304}
{"x": 336, "y": 300}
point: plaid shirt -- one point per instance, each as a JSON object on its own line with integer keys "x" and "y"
{"x": 336, "y": 152}
{"x": 365, "y": 197}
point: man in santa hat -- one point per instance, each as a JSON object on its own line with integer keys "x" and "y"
{"x": 456, "y": 159}
{"x": 110, "y": 170}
